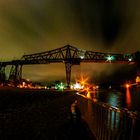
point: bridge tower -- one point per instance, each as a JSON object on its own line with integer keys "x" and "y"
{"x": 68, "y": 65}
{"x": 2, "y": 74}
{"x": 68, "y": 72}
{"x": 71, "y": 58}
{"x": 15, "y": 75}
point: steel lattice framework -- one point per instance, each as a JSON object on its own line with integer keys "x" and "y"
{"x": 68, "y": 55}
{"x": 74, "y": 55}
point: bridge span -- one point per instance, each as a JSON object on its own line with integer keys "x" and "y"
{"x": 68, "y": 55}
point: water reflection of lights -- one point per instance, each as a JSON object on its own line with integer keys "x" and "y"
{"x": 95, "y": 99}
{"x": 128, "y": 97}
{"x": 113, "y": 99}
{"x": 88, "y": 95}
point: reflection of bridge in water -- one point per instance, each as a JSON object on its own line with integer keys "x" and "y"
{"x": 68, "y": 55}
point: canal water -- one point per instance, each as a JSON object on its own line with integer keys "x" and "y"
{"x": 112, "y": 114}
{"x": 121, "y": 97}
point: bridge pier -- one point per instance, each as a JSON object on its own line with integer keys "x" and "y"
{"x": 68, "y": 73}
{"x": 2, "y": 74}
{"x": 15, "y": 74}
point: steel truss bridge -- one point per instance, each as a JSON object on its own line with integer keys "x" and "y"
{"x": 68, "y": 55}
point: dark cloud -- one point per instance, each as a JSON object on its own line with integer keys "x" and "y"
{"x": 102, "y": 19}
{"x": 88, "y": 16}
{"x": 111, "y": 22}
{"x": 115, "y": 20}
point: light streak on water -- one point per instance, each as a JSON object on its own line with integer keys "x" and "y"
{"x": 128, "y": 97}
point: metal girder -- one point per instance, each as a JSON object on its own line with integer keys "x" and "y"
{"x": 15, "y": 75}
{"x": 59, "y": 55}
{"x": 75, "y": 55}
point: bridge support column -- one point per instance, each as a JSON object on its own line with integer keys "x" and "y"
{"x": 15, "y": 74}
{"x": 2, "y": 74}
{"x": 68, "y": 73}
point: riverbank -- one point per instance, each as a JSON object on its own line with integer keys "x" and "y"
{"x": 39, "y": 115}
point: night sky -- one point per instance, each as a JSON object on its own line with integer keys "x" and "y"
{"x": 31, "y": 26}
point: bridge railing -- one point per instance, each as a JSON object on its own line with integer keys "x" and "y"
{"x": 107, "y": 122}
